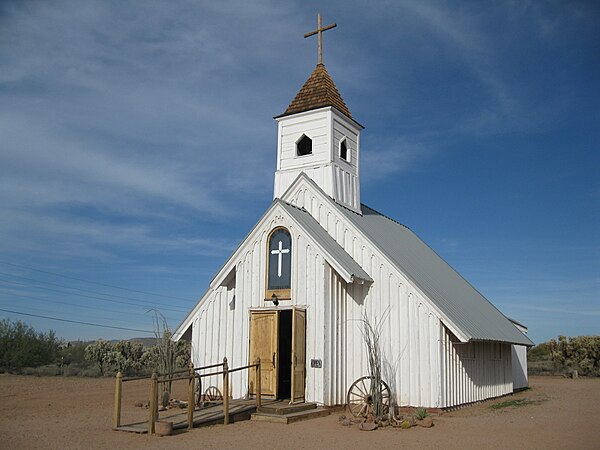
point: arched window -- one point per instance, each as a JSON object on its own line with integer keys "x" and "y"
{"x": 344, "y": 149}
{"x": 279, "y": 266}
{"x": 304, "y": 146}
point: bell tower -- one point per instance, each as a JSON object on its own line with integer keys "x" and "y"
{"x": 318, "y": 136}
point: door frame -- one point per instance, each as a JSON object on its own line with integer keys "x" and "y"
{"x": 297, "y": 312}
{"x": 277, "y": 309}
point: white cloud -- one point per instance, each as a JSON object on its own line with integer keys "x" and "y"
{"x": 383, "y": 157}
{"x": 134, "y": 114}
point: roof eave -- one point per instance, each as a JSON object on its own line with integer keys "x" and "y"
{"x": 358, "y": 124}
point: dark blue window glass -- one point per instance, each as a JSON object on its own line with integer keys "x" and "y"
{"x": 280, "y": 260}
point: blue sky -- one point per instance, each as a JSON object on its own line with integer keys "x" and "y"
{"x": 137, "y": 146}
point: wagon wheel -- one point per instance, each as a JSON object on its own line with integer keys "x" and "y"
{"x": 360, "y": 396}
{"x": 198, "y": 391}
{"x": 212, "y": 394}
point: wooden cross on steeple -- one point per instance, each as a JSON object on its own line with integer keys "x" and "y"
{"x": 319, "y": 31}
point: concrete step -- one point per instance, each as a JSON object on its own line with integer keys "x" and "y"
{"x": 285, "y": 408}
{"x": 291, "y": 417}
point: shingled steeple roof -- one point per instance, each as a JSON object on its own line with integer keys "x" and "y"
{"x": 318, "y": 91}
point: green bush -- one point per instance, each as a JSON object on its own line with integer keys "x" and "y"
{"x": 21, "y": 346}
{"x": 50, "y": 370}
{"x": 580, "y": 353}
{"x": 130, "y": 358}
{"x": 23, "y": 350}
{"x": 79, "y": 370}
{"x": 74, "y": 353}
{"x": 540, "y": 362}
{"x": 421, "y": 413}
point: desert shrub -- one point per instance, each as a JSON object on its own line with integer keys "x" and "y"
{"x": 421, "y": 413}
{"x": 167, "y": 355}
{"x": 73, "y": 353}
{"x": 540, "y": 352}
{"x": 540, "y": 362}
{"x": 126, "y": 357}
{"x": 21, "y": 346}
{"x": 178, "y": 353}
{"x": 98, "y": 354}
{"x": 580, "y": 353}
{"x": 111, "y": 357}
{"x": 371, "y": 335}
{"x": 50, "y": 370}
{"x": 130, "y": 358}
{"x": 80, "y": 370}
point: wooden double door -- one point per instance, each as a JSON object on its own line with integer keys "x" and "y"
{"x": 278, "y": 338}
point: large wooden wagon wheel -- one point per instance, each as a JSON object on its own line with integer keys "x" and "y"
{"x": 198, "y": 391}
{"x": 212, "y": 394}
{"x": 360, "y": 397}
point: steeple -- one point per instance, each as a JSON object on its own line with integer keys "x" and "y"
{"x": 317, "y": 135}
{"x": 318, "y": 91}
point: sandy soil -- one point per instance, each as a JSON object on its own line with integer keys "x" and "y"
{"x": 77, "y": 413}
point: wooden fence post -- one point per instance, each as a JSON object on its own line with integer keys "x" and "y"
{"x": 190, "y": 412}
{"x": 118, "y": 393}
{"x": 225, "y": 392}
{"x": 258, "y": 384}
{"x": 153, "y": 406}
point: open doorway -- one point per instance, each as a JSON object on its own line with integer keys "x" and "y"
{"x": 278, "y": 338}
{"x": 284, "y": 380}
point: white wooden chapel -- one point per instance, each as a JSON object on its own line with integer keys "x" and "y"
{"x": 296, "y": 288}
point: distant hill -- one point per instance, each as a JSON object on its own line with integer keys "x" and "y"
{"x": 145, "y": 341}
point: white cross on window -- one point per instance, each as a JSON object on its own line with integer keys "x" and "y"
{"x": 279, "y": 252}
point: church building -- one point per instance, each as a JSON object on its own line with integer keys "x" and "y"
{"x": 318, "y": 261}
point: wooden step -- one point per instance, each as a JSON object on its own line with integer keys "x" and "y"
{"x": 285, "y": 408}
{"x": 291, "y": 417}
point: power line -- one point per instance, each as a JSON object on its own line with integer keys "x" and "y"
{"x": 47, "y": 300}
{"x": 99, "y": 298}
{"x": 77, "y": 321}
{"x": 81, "y": 289}
{"x": 93, "y": 282}
{"x": 68, "y": 313}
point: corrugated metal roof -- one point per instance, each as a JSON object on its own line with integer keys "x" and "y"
{"x": 319, "y": 234}
{"x": 462, "y": 304}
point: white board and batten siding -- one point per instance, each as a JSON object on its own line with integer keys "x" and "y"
{"x": 346, "y": 183}
{"x": 327, "y": 128}
{"x": 318, "y": 164}
{"x": 474, "y": 371}
{"x": 519, "y": 362}
{"x": 221, "y": 322}
{"x": 424, "y": 364}
{"x": 411, "y": 331}
{"x": 334, "y": 312}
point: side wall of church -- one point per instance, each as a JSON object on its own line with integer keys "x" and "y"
{"x": 424, "y": 364}
{"x": 410, "y": 328}
{"x": 409, "y": 334}
{"x": 474, "y": 371}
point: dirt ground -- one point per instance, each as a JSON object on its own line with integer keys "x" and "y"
{"x": 65, "y": 413}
